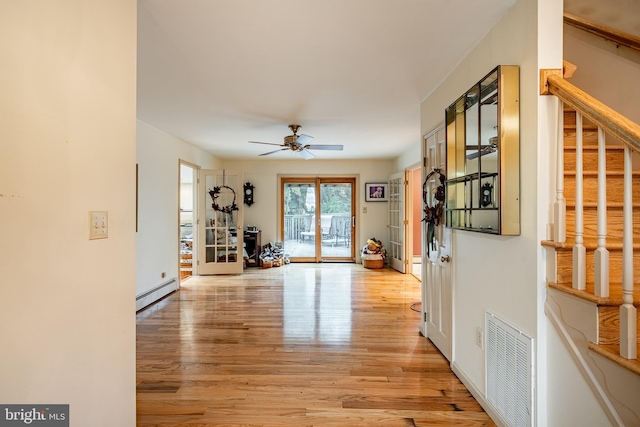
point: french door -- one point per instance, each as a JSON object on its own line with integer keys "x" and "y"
{"x": 437, "y": 293}
{"x": 318, "y": 218}
{"x": 220, "y": 222}
{"x": 397, "y": 222}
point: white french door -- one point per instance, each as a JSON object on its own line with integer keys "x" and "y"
{"x": 437, "y": 301}
{"x": 397, "y": 223}
{"x": 220, "y": 240}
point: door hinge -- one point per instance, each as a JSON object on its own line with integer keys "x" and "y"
{"x": 424, "y": 162}
{"x": 426, "y": 316}
{"x": 406, "y": 262}
{"x": 406, "y": 222}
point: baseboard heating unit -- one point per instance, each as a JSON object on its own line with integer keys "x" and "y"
{"x": 156, "y": 293}
{"x": 509, "y": 372}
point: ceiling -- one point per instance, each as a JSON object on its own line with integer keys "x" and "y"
{"x": 219, "y": 73}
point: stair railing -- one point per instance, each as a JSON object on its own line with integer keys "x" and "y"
{"x": 628, "y": 132}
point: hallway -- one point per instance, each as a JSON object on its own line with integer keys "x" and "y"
{"x": 299, "y": 345}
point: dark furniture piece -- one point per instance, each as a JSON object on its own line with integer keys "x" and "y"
{"x": 253, "y": 246}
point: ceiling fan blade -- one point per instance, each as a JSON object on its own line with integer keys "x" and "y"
{"x": 302, "y": 139}
{"x": 324, "y": 147}
{"x": 266, "y": 143}
{"x": 306, "y": 154}
{"x": 487, "y": 150}
{"x": 274, "y": 151}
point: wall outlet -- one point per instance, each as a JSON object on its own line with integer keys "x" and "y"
{"x": 480, "y": 337}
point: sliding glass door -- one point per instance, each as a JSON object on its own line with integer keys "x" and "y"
{"x": 318, "y": 218}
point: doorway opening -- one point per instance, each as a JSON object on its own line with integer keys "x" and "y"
{"x": 318, "y": 218}
{"x": 415, "y": 220}
{"x": 186, "y": 229}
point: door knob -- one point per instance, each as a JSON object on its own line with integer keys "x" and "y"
{"x": 445, "y": 258}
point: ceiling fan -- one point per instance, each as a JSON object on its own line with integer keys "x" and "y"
{"x": 298, "y": 144}
{"x": 482, "y": 150}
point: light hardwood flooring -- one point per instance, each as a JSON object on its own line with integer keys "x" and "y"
{"x": 298, "y": 345}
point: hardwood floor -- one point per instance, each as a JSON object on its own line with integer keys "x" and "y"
{"x": 299, "y": 345}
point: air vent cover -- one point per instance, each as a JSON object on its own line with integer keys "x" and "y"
{"x": 509, "y": 372}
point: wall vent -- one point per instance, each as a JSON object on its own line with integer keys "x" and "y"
{"x": 509, "y": 372}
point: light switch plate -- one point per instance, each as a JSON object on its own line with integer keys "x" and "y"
{"x": 98, "y": 225}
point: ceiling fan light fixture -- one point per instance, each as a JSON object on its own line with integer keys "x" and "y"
{"x": 298, "y": 144}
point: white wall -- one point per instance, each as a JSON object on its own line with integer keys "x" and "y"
{"x": 68, "y": 109}
{"x": 570, "y": 396}
{"x": 499, "y": 273}
{"x": 263, "y": 173}
{"x": 606, "y": 72}
{"x": 157, "y": 244}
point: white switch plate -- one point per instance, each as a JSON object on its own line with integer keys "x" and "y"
{"x": 479, "y": 337}
{"x": 98, "y": 225}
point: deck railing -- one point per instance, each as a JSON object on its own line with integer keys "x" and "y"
{"x": 295, "y": 224}
{"x": 628, "y": 132}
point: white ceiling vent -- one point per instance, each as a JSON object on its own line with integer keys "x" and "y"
{"x": 509, "y": 372}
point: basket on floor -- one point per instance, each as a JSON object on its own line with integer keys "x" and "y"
{"x": 373, "y": 263}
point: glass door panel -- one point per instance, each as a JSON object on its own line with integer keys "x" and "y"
{"x": 299, "y": 223}
{"x": 336, "y": 223}
{"x": 221, "y": 233}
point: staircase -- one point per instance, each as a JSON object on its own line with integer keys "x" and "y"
{"x": 608, "y": 307}
{"x": 586, "y": 262}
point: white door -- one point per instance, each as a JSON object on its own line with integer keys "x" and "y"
{"x": 397, "y": 222}
{"x": 220, "y": 222}
{"x": 437, "y": 296}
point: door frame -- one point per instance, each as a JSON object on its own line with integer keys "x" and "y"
{"x": 318, "y": 180}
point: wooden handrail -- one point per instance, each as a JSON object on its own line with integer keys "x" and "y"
{"x": 605, "y": 117}
{"x": 618, "y": 37}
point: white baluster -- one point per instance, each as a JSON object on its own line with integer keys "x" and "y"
{"x": 579, "y": 252}
{"x": 601, "y": 285}
{"x": 628, "y": 325}
{"x": 560, "y": 206}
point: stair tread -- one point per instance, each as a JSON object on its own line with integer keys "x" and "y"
{"x": 609, "y": 146}
{"x": 610, "y": 205}
{"x": 595, "y": 173}
{"x": 615, "y": 293}
{"x": 612, "y": 352}
{"x": 589, "y": 244}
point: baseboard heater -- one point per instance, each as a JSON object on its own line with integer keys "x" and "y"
{"x": 509, "y": 372}
{"x": 156, "y": 293}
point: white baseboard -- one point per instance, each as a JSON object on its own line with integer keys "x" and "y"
{"x": 478, "y": 395}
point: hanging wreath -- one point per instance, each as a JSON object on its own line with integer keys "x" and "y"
{"x": 215, "y": 193}
{"x": 433, "y": 214}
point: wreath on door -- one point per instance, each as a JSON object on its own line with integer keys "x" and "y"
{"x": 215, "y": 193}
{"x": 433, "y": 214}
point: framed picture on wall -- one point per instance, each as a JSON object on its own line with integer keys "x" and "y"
{"x": 376, "y": 192}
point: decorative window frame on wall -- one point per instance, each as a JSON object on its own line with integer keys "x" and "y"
{"x": 483, "y": 155}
